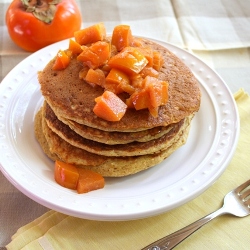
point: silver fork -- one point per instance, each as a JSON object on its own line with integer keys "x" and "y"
{"x": 236, "y": 202}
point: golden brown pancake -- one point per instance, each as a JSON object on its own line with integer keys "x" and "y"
{"x": 40, "y": 136}
{"x": 58, "y": 149}
{"x": 68, "y": 130}
{"x": 115, "y": 137}
{"x": 129, "y": 149}
{"x": 73, "y": 99}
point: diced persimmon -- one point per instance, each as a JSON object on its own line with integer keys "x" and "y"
{"x": 66, "y": 174}
{"x": 140, "y": 99}
{"x": 109, "y": 107}
{"x": 62, "y": 60}
{"x": 95, "y": 55}
{"x": 122, "y": 37}
{"x": 75, "y": 47}
{"x": 91, "y": 34}
{"x": 89, "y": 181}
{"x": 117, "y": 82}
{"x": 149, "y": 71}
{"x": 127, "y": 88}
{"x": 157, "y": 89}
{"x": 153, "y": 111}
{"x": 102, "y": 49}
{"x": 95, "y": 77}
{"x": 148, "y": 53}
{"x": 153, "y": 94}
{"x": 89, "y": 58}
{"x": 105, "y": 68}
{"x": 113, "y": 87}
{"x": 137, "y": 42}
{"x": 113, "y": 50}
{"x": 68, "y": 53}
{"x": 136, "y": 81}
{"x": 83, "y": 72}
{"x": 129, "y": 60}
{"x": 164, "y": 92}
{"x": 157, "y": 60}
{"x": 129, "y": 103}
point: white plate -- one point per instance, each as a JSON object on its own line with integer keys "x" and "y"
{"x": 180, "y": 178}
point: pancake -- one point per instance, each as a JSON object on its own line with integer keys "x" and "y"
{"x": 58, "y": 149}
{"x": 40, "y": 136}
{"x": 73, "y": 99}
{"x": 129, "y": 149}
{"x": 115, "y": 137}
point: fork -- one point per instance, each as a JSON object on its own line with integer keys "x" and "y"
{"x": 236, "y": 202}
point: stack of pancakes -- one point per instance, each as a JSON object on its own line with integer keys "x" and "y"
{"x": 68, "y": 130}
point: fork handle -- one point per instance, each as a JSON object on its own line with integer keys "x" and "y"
{"x": 170, "y": 241}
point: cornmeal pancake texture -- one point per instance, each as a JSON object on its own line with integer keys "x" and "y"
{"x": 115, "y": 137}
{"x": 129, "y": 149}
{"x": 109, "y": 137}
{"x": 73, "y": 99}
{"x": 58, "y": 149}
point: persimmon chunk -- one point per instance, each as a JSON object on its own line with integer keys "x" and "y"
{"x": 109, "y": 107}
{"x": 148, "y": 53}
{"x": 89, "y": 181}
{"x": 89, "y": 58}
{"x": 121, "y": 37}
{"x": 95, "y": 55}
{"x": 75, "y": 47}
{"x": 157, "y": 60}
{"x": 102, "y": 49}
{"x": 149, "y": 71}
{"x": 153, "y": 111}
{"x": 136, "y": 80}
{"x": 137, "y": 42}
{"x": 153, "y": 94}
{"x": 66, "y": 175}
{"x": 157, "y": 91}
{"x": 140, "y": 99}
{"x": 91, "y": 34}
{"x": 95, "y": 77}
{"x": 129, "y": 60}
{"x": 62, "y": 60}
{"x": 83, "y": 72}
{"x": 118, "y": 82}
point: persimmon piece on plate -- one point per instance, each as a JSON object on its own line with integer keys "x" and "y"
{"x": 95, "y": 55}
{"x": 109, "y": 107}
{"x": 129, "y": 60}
{"x": 95, "y": 77}
{"x": 66, "y": 175}
{"x": 89, "y": 181}
{"x": 121, "y": 37}
{"x": 75, "y": 47}
{"x": 118, "y": 82}
{"x": 91, "y": 34}
{"x": 62, "y": 60}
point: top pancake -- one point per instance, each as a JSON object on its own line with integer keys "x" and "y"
{"x": 72, "y": 98}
